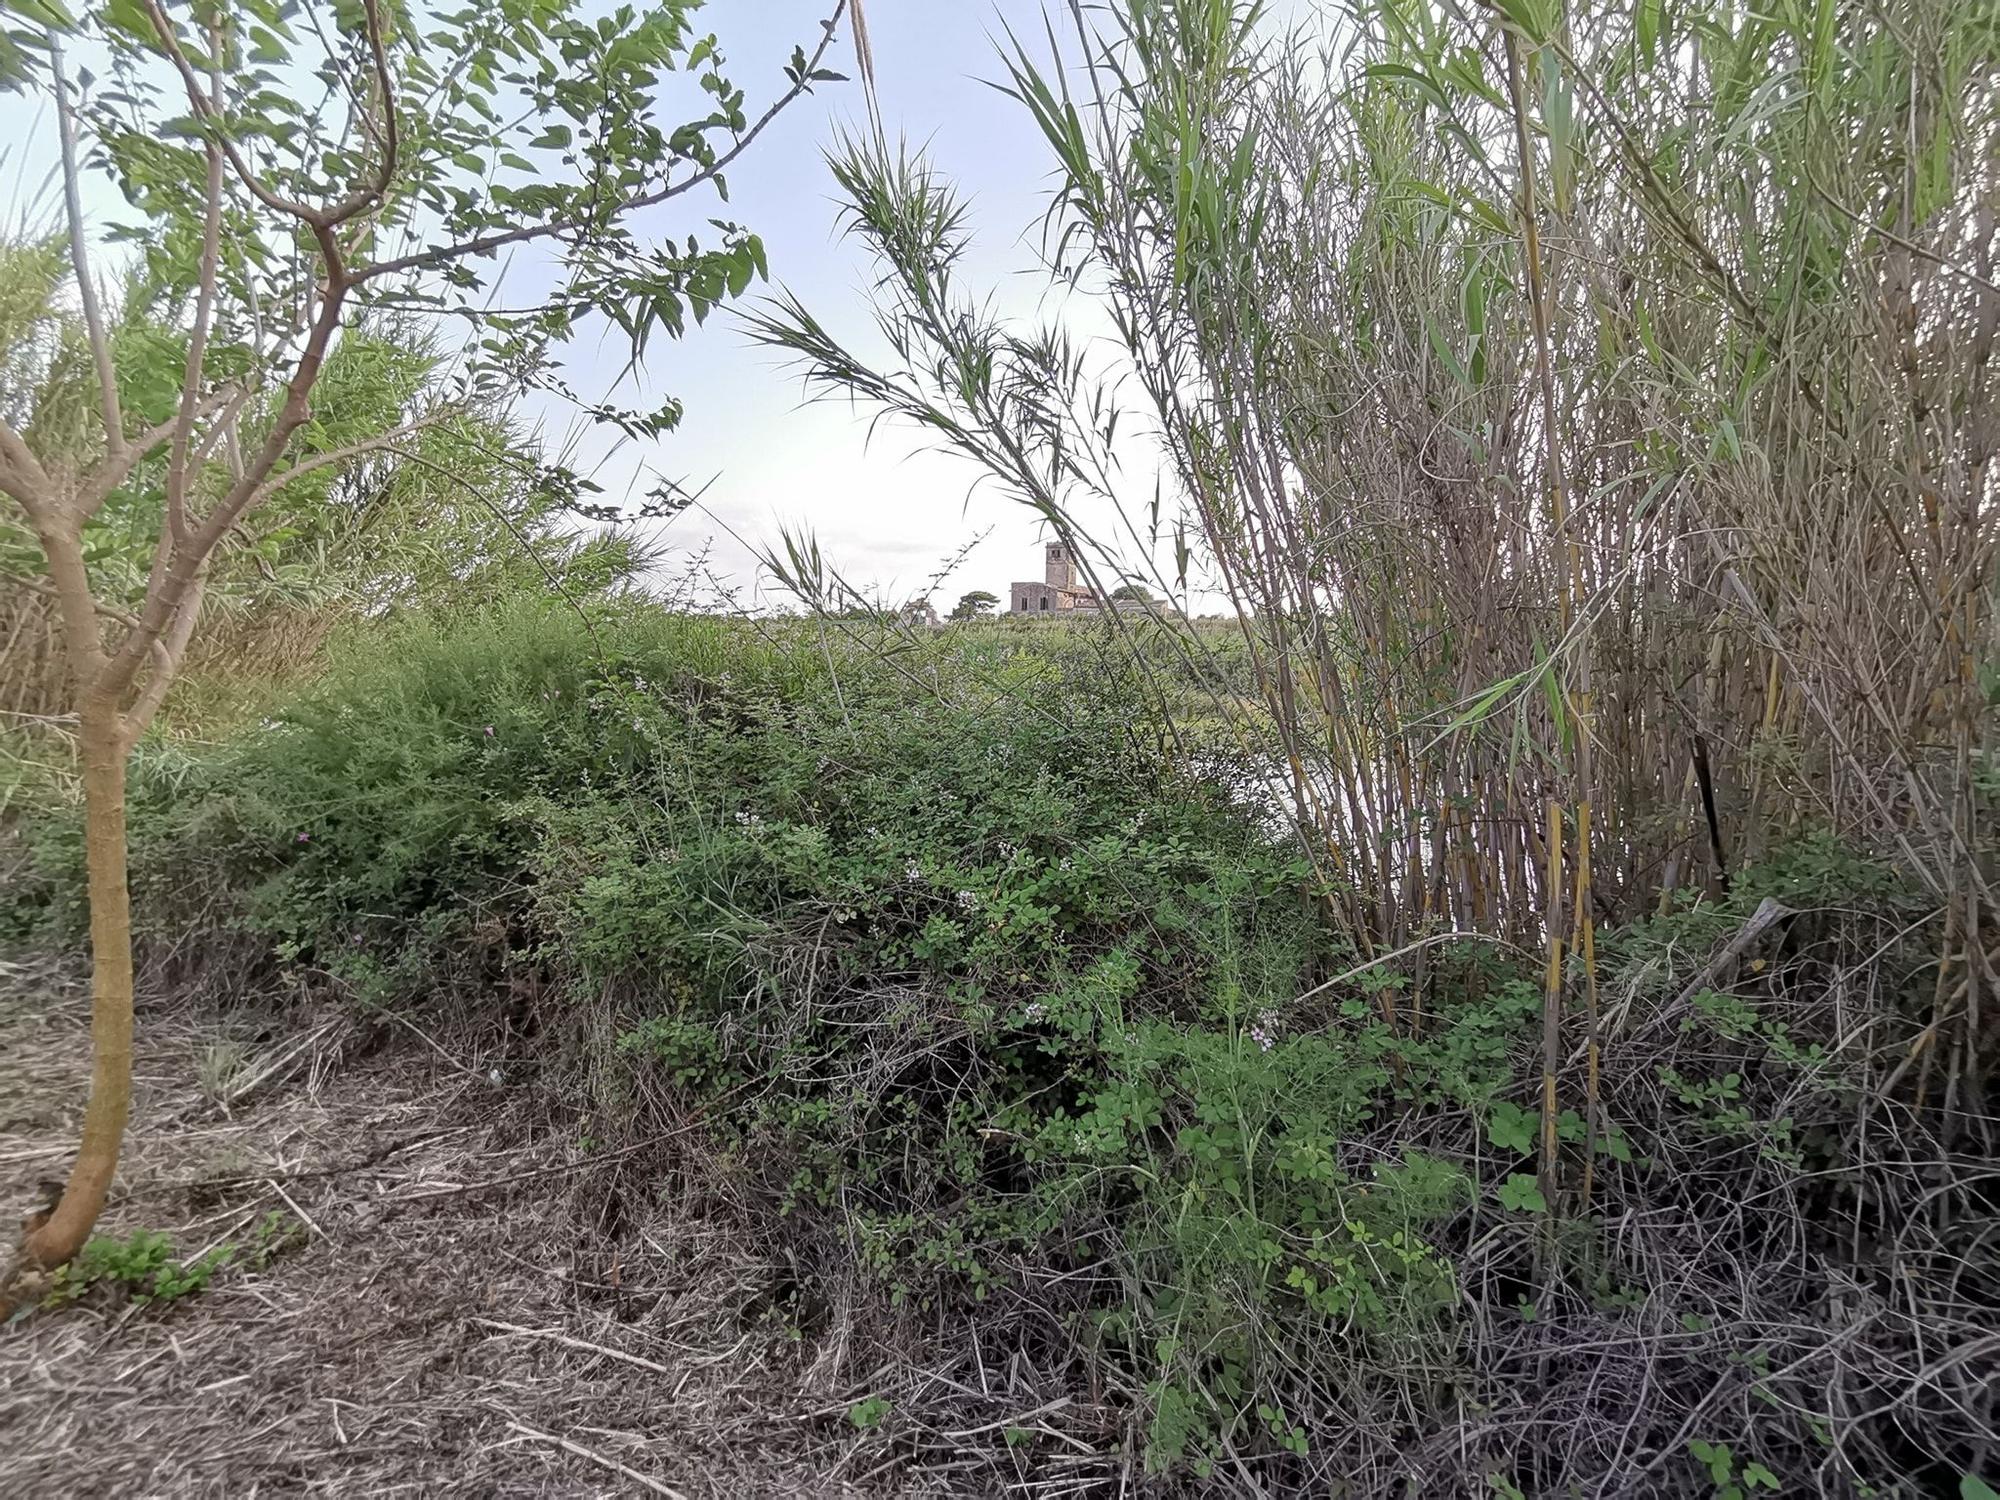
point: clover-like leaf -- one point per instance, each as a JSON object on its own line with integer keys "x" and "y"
{"x": 1511, "y": 1127}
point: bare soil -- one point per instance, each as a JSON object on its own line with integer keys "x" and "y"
{"x": 477, "y": 1300}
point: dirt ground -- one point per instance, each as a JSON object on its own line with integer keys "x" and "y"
{"x": 457, "y": 1313}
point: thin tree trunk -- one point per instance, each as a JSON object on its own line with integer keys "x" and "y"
{"x": 62, "y": 1234}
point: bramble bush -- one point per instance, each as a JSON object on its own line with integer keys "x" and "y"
{"x": 994, "y": 996}
{"x": 965, "y": 967}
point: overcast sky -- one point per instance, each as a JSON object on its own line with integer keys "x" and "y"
{"x": 886, "y": 512}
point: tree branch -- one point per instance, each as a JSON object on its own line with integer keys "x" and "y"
{"x": 69, "y": 585}
{"x": 114, "y": 469}
{"x": 185, "y": 558}
{"x": 204, "y": 313}
{"x": 486, "y": 244}
{"x": 167, "y": 655}
{"x": 363, "y": 198}
{"x": 110, "y": 611}
{"x": 21, "y": 473}
{"x": 163, "y": 28}
{"x": 358, "y": 449}
{"x": 79, "y": 258}
{"x": 514, "y": 531}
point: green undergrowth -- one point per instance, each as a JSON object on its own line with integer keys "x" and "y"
{"x": 967, "y": 971}
{"x": 984, "y": 993}
{"x": 145, "y": 1266}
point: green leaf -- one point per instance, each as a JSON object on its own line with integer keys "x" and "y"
{"x": 868, "y": 1413}
{"x": 1511, "y": 1128}
{"x": 48, "y": 12}
{"x": 740, "y": 271}
{"x": 1648, "y": 27}
{"x": 1426, "y": 85}
{"x": 1972, "y": 1487}
{"x": 1483, "y": 705}
{"x": 1527, "y": 17}
{"x": 130, "y": 17}
{"x": 1443, "y": 351}
{"x": 1522, "y": 1194}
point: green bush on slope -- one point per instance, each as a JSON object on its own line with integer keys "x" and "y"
{"x": 956, "y": 957}
{"x": 990, "y": 1000}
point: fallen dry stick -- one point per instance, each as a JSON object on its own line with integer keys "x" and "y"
{"x": 573, "y": 1343}
{"x": 600, "y": 1459}
{"x": 1768, "y": 913}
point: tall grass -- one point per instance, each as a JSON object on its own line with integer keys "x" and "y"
{"x": 1588, "y": 413}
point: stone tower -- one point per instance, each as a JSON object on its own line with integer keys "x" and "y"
{"x": 1060, "y": 570}
{"x": 1058, "y": 593}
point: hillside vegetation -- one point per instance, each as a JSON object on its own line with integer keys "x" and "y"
{"x": 1006, "y": 1013}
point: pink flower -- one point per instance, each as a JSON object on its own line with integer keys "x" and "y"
{"x": 305, "y": 838}
{"x": 489, "y": 731}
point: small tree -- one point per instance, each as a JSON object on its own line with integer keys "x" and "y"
{"x": 975, "y": 604}
{"x": 289, "y": 182}
{"x": 454, "y": 517}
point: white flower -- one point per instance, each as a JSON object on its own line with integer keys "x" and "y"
{"x": 913, "y": 870}
{"x": 967, "y": 900}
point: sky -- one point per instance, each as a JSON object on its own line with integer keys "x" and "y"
{"x": 886, "y": 511}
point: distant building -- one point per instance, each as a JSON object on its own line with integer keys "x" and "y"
{"x": 917, "y": 612}
{"x": 1058, "y": 593}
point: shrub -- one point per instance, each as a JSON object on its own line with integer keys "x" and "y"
{"x": 964, "y": 965}
{"x": 994, "y": 995}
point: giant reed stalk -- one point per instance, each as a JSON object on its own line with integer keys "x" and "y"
{"x": 1593, "y": 406}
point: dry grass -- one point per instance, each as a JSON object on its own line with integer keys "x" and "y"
{"x": 480, "y": 1305}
